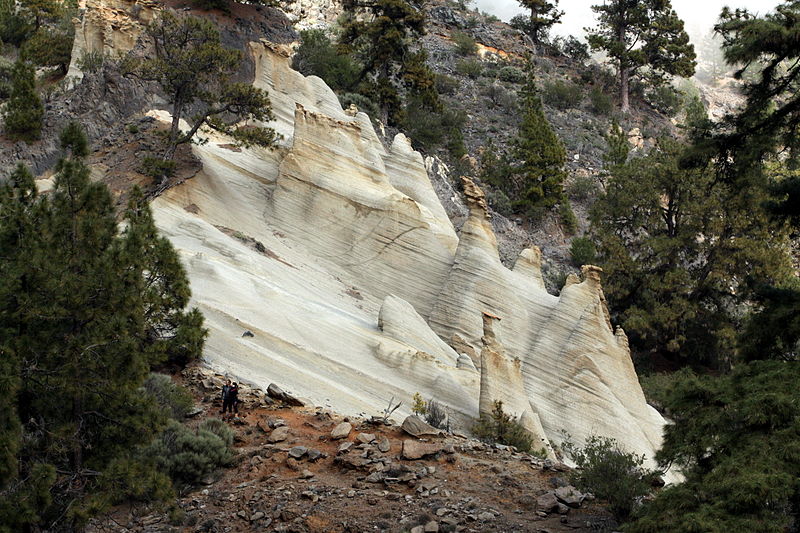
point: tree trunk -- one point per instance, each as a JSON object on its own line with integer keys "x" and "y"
{"x": 175, "y": 131}
{"x": 624, "y": 88}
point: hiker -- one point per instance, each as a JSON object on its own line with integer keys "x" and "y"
{"x": 226, "y": 393}
{"x": 233, "y": 400}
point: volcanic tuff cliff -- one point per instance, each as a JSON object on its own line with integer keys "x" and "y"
{"x": 336, "y": 254}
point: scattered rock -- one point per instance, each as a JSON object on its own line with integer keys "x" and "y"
{"x": 306, "y": 474}
{"x": 297, "y": 452}
{"x": 344, "y": 447}
{"x": 547, "y": 502}
{"x": 258, "y": 515}
{"x": 248, "y": 333}
{"x": 384, "y": 445}
{"x": 273, "y": 391}
{"x": 341, "y": 431}
{"x": 569, "y": 495}
{"x": 365, "y": 438}
{"x": 415, "y": 426}
{"x": 314, "y": 455}
{"x": 485, "y": 516}
{"x": 279, "y": 434}
{"x": 417, "y": 450}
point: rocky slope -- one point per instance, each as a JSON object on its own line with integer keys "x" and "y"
{"x": 329, "y": 264}
{"x": 305, "y": 469}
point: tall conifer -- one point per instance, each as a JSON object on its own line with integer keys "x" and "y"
{"x": 24, "y": 111}
{"x": 540, "y": 153}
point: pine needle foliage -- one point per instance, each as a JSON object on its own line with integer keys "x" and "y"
{"x": 85, "y": 312}
{"x": 24, "y": 113}
{"x": 540, "y": 155}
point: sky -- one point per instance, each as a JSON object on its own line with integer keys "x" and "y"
{"x": 697, "y": 14}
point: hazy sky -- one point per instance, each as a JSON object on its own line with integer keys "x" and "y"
{"x": 697, "y": 14}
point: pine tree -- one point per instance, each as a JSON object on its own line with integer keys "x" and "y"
{"x": 24, "y": 111}
{"x": 85, "y": 313}
{"x": 541, "y": 156}
{"x": 543, "y": 16}
{"x": 195, "y": 70}
{"x": 383, "y": 43}
{"x": 642, "y": 33}
{"x": 679, "y": 247}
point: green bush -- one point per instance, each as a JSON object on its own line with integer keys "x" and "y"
{"x": 562, "y": 95}
{"x": 601, "y": 102}
{"x": 582, "y": 251}
{"x": 471, "y": 68}
{"x": 665, "y": 99}
{"x": 172, "y": 398}
{"x": 568, "y": 218}
{"x": 500, "y": 96}
{"x": 157, "y": 168}
{"x": 50, "y": 47}
{"x": 658, "y": 386}
{"x": 218, "y": 428}
{"x": 511, "y": 75}
{"x": 446, "y": 85}
{"x": 582, "y": 188}
{"x": 363, "y": 103}
{"x": 188, "y": 455}
{"x": 610, "y": 473}
{"x": 6, "y": 68}
{"x": 503, "y": 428}
{"x": 465, "y": 45}
{"x": 91, "y": 61}
{"x": 318, "y": 56}
{"x": 499, "y": 201}
{"x": 428, "y": 129}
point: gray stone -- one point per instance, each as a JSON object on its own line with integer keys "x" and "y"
{"x": 375, "y": 477}
{"x": 258, "y": 515}
{"x": 279, "y": 434}
{"x": 344, "y": 447}
{"x": 274, "y": 391}
{"x": 485, "y": 516}
{"x": 297, "y": 452}
{"x": 313, "y": 455}
{"x": 365, "y": 438}
{"x": 547, "y": 502}
{"x": 415, "y": 426}
{"x": 569, "y": 495}
{"x": 431, "y": 527}
{"x": 341, "y": 431}
{"x": 384, "y": 445}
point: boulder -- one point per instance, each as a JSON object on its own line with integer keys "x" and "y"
{"x": 384, "y": 445}
{"x": 273, "y": 391}
{"x": 278, "y": 434}
{"x": 416, "y": 427}
{"x": 365, "y": 438}
{"x": 569, "y": 495}
{"x": 547, "y": 502}
{"x": 341, "y": 431}
{"x": 297, "y": 452}
{"x": 413, "y": 449}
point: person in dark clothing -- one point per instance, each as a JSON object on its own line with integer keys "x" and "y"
{"x": 233, "y": 399}
{"x": 226, "y": 390}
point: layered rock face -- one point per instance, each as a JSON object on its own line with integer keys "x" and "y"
{"x": 336, "y": 254}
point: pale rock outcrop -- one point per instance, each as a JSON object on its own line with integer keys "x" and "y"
{"x": 108, "y": 27}
{"x": 350, "y": 233}
{"x": 501, "y": 380}
{"x": 313, "y": 14}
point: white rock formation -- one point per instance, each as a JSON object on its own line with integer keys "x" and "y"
{"x": 352, "y": 275}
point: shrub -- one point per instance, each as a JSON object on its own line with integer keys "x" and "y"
{"x": 503, "y": 428}
{"x": 157, "y": 168}
{"x": 465, "y": 45}
{"x": 446, "y": 85}
{"x": 435, "y": 415}
{"x": 218, "y": 428}
{"x": 172, "y": 398}
{"x": 601, "y": 102}
{"x": 582, "y": 251}
{"x": 500, "y": 96}
{"x": 500, "y": 202}
{"x": 610, "y": 473}
{"x": 419, "y": 407}
{"x": 665, "y": 99}
{"x": 568, "y": 218}
{"x": 562, "y": 95}
{"x": 575, "y": 49}
{"x": 6, "y": 68}
{"x": 188, "y": 455}
{"x": 91, "y": 61}
{"x": 318, "y": 56}
{"x": 50, "y": 47}
{"x": 363, "y": 103}
{"x": 428, "y": 129}
{"x": 582, "y": 188}
{"x": 511, "y": 75}
{"x": 471, "y": 68}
